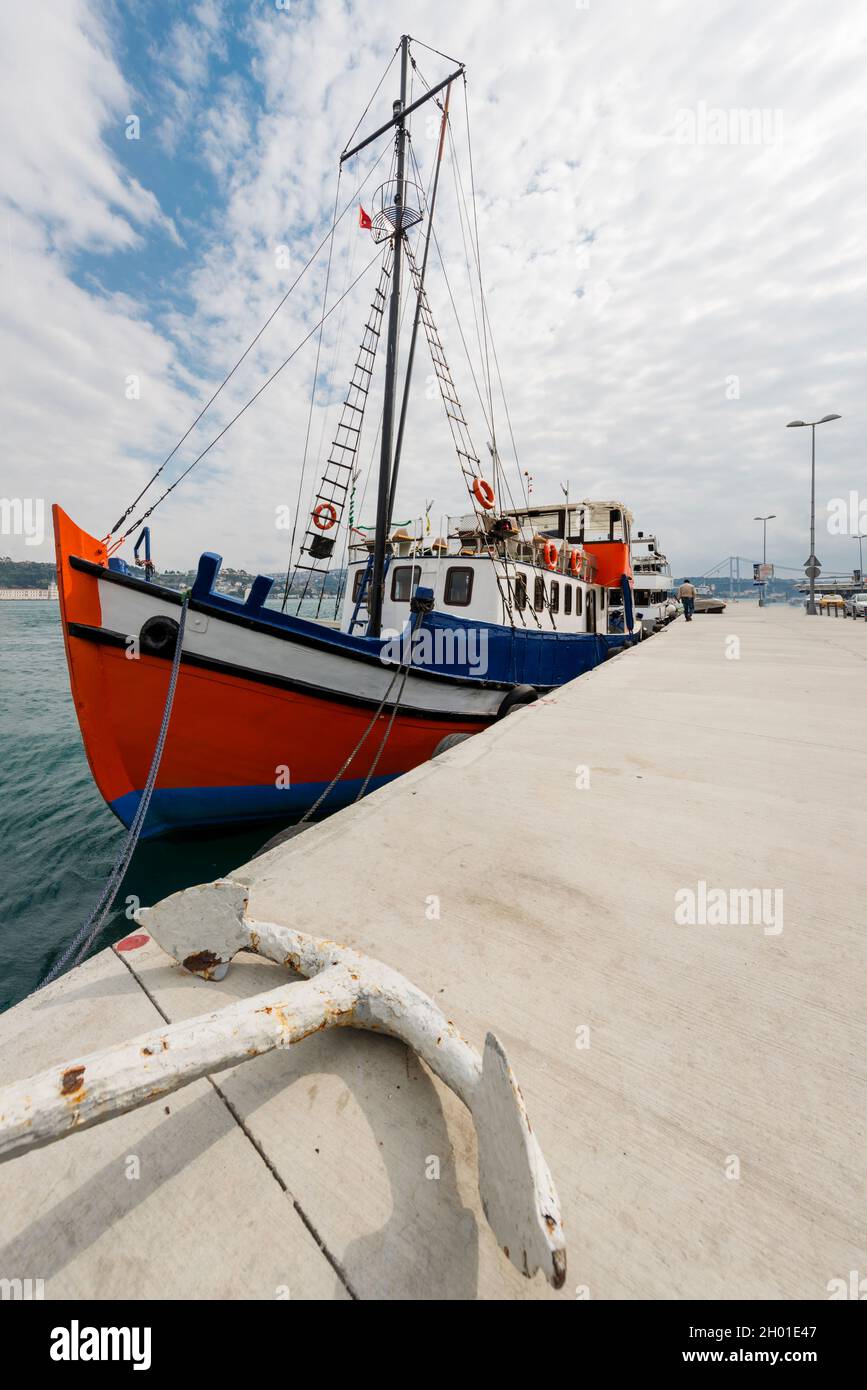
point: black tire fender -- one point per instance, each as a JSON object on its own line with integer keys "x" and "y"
{"x": 516, "y": 699}
{"x": 158, "y": 636}
{"x": 450, "y": 741}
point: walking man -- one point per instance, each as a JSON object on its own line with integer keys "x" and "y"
{"x": 686, "y": 594}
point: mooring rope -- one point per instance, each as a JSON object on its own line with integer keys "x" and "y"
{"x": 402, "y": 668}
{"x": 85, "y": 936}
{"x": 381, "y": 749}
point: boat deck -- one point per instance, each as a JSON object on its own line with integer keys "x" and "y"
{"x": 708, "y": 1143}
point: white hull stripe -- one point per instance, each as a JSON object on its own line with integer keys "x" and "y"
{"x": 245, "y": 652}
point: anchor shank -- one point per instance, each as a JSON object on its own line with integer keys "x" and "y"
{"x": 98, "y": 1086}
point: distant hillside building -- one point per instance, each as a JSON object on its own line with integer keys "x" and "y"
{"x": 49, "y": 593}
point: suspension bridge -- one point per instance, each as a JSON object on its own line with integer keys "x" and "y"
{"x": 738, "y": 580}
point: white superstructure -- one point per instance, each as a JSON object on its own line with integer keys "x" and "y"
{"x": 655, "y": 603}
{"x": 538, "y": 573}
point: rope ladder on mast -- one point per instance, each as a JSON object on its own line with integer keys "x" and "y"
{"x": 335, "y": 484}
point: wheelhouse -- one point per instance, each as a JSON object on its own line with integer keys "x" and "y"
{"x": 548, "y": 568}
{"x": 653, "y": 594}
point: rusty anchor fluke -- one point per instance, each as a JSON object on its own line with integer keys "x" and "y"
{"x": 203, "y": 928}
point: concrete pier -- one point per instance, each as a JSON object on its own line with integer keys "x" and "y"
{"x": 579, "y": 880}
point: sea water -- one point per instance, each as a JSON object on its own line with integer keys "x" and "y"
{"x": 58, "y": 839}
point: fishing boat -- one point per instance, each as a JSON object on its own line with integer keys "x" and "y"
{"x": 655, "y": 604}
{"x": 273, "y": 713}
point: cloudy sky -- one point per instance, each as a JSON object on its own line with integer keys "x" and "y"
{"x": 669, "y": 279}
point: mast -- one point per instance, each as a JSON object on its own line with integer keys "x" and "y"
{"x": 400, "y": 111}
{"x": 385, "y": 457}
{"x": 418, "y": 303}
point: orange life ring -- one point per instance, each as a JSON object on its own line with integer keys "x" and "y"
{"x": 575, "y": 564}
{"x": 550, "y": 555}
{"x": 324, "y": 516}
{"x": 483, "y": 493}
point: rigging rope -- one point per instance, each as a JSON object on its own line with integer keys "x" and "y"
{"x": 227, "y": 378}
{"x": 364, "y": 737}
{"x": 507, "y": 600}
{"x": 86, "y": 935}
{"x": 312, "y": 392}
{"x": 489, "y": 332}
{"x": 478, "y": 258}
{"x": 244, "y": 408}
{"x": 455, "y": 308}
{"x": 486, "y": 322}
{"x": 448, "y": 59}
{"x": 460, "y": 198}
{"x": 335, "y": 358}
{"x": 313, "y": 484}
{"x": 381, "y": 749}
{"x": 489, "y": 327}
{"x": 373, "y": 98}
{"x": 327, "y": 569}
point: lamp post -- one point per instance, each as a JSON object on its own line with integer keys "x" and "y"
{"x": 861, "y": 535}
{"x": 764, "y": 520}
{"x": 803, "y": 424}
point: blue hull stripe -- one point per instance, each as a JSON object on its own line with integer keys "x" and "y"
{"x": 521, "y": 655}
{"x": 178, "y": 808}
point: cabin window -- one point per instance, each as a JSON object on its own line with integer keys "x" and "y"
{"x": 579, "y": 602}
{"x": 567, "y": 599}
{"x": 357, "y": 581}
{"x": 543, "y": 522}
{"x": 459, "y": 586}
{"x": 520, "y": 591}
{"x": 404, "y": 580}
{"x": 576, "y": 525}
{"x": 539, "y": 595}
{"x": 601, "y": 598}
{"x": 555, "y": 596}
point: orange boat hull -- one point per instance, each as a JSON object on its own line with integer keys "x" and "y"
{"x": 239, "y": 747}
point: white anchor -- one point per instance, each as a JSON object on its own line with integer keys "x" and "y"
{"x": 203, "y": 928}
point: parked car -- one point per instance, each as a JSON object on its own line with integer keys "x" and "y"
{"x": 828, "y": 603}
{"x": 855, "y": 606}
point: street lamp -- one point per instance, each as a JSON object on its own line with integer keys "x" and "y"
{"x": 764, "y": 520}
{"x": 861, "y": 535}
{"x": 803, "y": 424}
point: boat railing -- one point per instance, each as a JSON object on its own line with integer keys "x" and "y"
{"x": 509, "y": 550}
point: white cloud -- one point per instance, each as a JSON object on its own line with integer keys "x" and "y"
{"x": 226, "y": 131}
{"x": 184, "y": 63}
{"x": 707, "y": 262}
{"x": 60, "y": 89}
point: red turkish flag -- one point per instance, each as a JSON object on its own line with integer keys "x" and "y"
{"x": 364, "y": 219}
